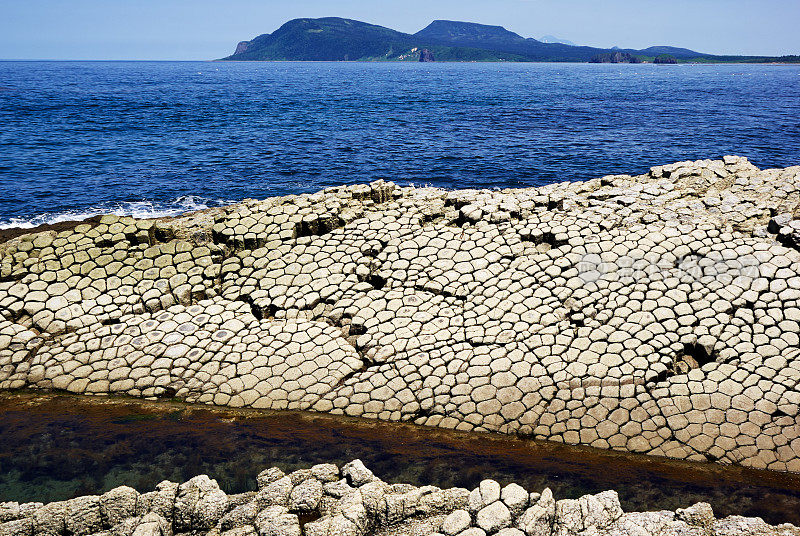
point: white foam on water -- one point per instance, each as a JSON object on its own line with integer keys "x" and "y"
{"x": 137, "y": 209}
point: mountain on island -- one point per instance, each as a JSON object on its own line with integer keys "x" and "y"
{"x": 327, "y": 39}
{"x": 554, "y": 39}
{"x": 466, "y": 33}
{"x": 337, "y": 39}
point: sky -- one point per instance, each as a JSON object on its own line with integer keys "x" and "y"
{"x": 208, "y": 29}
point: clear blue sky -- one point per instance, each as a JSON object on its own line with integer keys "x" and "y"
{"x": 206, "y": 29}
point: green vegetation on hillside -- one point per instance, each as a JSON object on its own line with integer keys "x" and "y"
{"x": 328, "y": 39}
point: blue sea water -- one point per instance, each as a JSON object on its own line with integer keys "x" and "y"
{"x": 157, "y": 138}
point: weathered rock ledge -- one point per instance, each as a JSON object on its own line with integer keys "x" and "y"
{"x": 327, "y": 501}
{"x": 657, "y": 314}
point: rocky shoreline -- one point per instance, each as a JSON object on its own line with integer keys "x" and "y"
{"x": 655, "y": 313}
{"x": 325, "y": 500}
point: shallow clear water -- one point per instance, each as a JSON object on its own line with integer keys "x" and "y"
{"x": 57, "y": 447}
{"x": 156, "y": 138}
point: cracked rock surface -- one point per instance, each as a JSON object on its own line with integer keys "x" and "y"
{"x": 657, "y": 313}
{"x": 352, "y": 502}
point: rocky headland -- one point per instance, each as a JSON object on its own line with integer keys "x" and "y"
{"x": 654, "y": 314}
{"x": 325, "y": 500}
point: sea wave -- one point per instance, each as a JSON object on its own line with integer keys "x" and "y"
{"x": 137, "y": 209}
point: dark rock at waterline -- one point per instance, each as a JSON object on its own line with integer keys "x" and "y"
{"x": 426, "y": 56}
{"x": 615, "y": 57}
{"x": 787, "y": 230}
{"x": 665, "y": 59}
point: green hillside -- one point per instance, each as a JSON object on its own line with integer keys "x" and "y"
{"x": 328, "y": 39}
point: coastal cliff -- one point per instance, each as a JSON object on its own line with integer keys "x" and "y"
{"x": 654, "y": 313}
{"x": 325, "y": 500}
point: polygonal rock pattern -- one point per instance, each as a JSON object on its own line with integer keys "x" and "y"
{"x": 656, "y": 314}
{"x": 215, "y": 351}
{"x": 376, "y": 508}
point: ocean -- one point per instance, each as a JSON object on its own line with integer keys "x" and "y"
{"x": 161, "y": 138}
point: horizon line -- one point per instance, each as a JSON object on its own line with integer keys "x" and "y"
{"x": 222, "y": 60}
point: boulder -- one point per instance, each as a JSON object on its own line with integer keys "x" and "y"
{"x": 305, "y": 497}
{"x": 602, "y": 509}
{"x": 681, "y": 528}
{"x": 337, "y": 525}
{"x": 199, "y": 504}
{"x": 699, "y": 514}
{"x": 357, "y": 474}
{"x": 161, "y": 501}
{"x": 150, "y": 524}
{"x": 487, "y": 492}
{"x": 337, "y": 489}
{"x": 510, "y": 532}
{"x": 28, "y": 509}
{"x": 268, "y": 476}
{"x": 83, "y": 516}
{"x": 240, "y": 516}
{"x": 588, "y": 512}
{"x": 569, "y": 518}
{"x": 274, "y": 494}
{"x": 515, "y": 497}
{"x": 538, "y": 519}
{"x": 750, "y": 526}
{"x": 240, "y": 499}
{"x": 300, "y": 476}
{"x": 247, "y": 530}
{"x": 372, "y": 495}
{"x": 9, "y": 511}
{"x": 326, "y": 472}
{"x": 493, "y": 517}
{"x": 473, "y": 531}
{"x": 49, "y": 519}
{"x": 277, "y": 521}
{"x": 17, "y": 527}
{"x": 442, "y": 501}
{"x": 456, "y": 522}
{"x": 117, "y": 505}
{"x": 642, "y": 523}
{"x": 353, "y": 509}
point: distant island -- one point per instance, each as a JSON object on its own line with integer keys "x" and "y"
{"x": 554, "y": 39}
{"x": 338, "y": 39}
